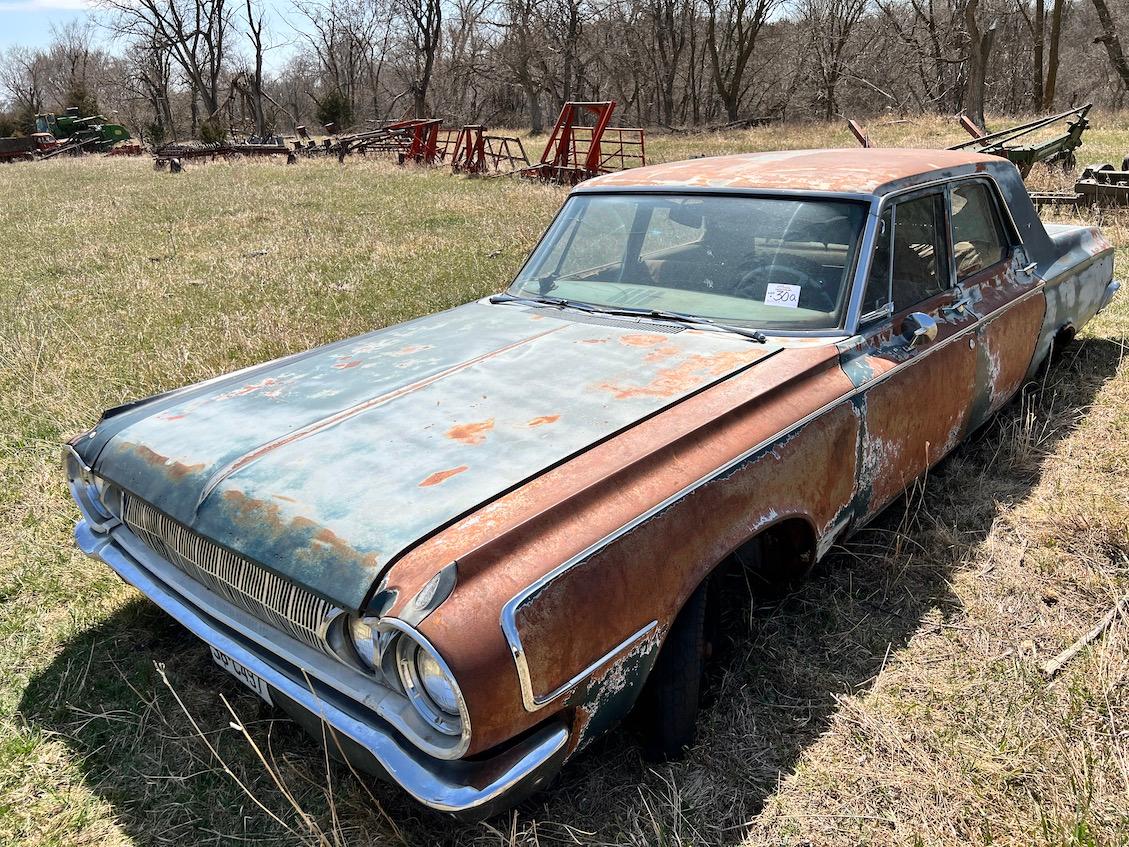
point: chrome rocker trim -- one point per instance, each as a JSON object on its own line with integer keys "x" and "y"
{"x": 469, "y": 790}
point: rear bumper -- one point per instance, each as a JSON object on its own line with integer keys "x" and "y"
{"x": 1109, "y": 293}
{"x": 469, "y": 790}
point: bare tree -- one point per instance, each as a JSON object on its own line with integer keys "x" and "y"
{"x": 519, "y": 51}
{"x": 731, "y": 37}
{"x": 1112, "y": 43}
{"x": 423, "y": 23}
{"x": 254, "y": 77}
{"x": 829, "y": 25}
{"x": 193, "y": 31}
{"x": 979, "y": 50}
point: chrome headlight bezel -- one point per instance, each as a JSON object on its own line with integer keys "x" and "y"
{"x": 409, "y": 651}
{"x": 98, "y": 499}
{"x": 391, "y": 649}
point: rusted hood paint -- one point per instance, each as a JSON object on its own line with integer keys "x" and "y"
{"x": 326, "y": 468}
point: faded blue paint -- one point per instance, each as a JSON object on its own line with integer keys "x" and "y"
{"x": 326, "y": 468}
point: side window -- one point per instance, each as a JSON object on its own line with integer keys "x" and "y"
{"x": 876, "y": 297}
{"x": 920, "y": 261}
{"x": 670, "y": 227}
{"x": 596, "y": 241}
{"x": 978, "y": 236}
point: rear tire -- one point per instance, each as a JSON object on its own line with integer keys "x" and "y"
{"x": 668, "y": 706}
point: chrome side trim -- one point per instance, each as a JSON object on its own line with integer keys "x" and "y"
{"x": 530, "y": 698}
{"x": 508, "y": 622}
{"x": 467, "y": 788}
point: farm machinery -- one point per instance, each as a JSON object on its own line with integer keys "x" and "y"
{"x": 68, "y": 133}
{"x": 1058, "y": 149}
{"x": 26, "y": 148}
{"x": 90, "y": 134}
{"x": 576, "y": 152}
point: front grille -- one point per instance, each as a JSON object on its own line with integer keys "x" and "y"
{"x": 251, "y": 587}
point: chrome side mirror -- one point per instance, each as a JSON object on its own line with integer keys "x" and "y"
{"x": 918, "y": 326}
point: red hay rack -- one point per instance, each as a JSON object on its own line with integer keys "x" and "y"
{"x": 576, "y": 152}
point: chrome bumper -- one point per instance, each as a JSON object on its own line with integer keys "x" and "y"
{"x": 1108, "y": 294}
{"x": 469, "y": 790}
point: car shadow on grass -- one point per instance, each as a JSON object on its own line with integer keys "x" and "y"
{"x": 143, "y": 711}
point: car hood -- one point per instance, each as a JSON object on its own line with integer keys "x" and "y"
{"x": 325, "y": 467}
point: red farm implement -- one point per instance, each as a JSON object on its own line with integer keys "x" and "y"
{"x": 576, "y": 152}
{"x": 419, "y": 140}
{"x": 475, "y": 152}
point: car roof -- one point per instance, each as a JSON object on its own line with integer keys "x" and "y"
{"x": 850, "y": 170}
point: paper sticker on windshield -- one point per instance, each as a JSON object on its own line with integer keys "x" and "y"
{"x": 782, "y": 294}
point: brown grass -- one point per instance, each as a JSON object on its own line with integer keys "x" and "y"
{"x": 895, "y": 698}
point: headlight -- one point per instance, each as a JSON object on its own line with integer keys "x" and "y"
{"x": 429, "y": 684}
{"x": 394, "y": 651}
{"x": 364, "y": 640}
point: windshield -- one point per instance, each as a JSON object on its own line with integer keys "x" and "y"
{"x": 767, "y": 262}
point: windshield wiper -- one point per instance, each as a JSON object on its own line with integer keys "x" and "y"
{"x": 685, "y": 318}
{"x": 627, "y": 311}
{"x": 542, "y": 300}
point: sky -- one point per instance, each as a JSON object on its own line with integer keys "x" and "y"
{"x": 27, "y": 23}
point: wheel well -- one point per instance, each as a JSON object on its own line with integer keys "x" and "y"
{"x": 780, "y": 554}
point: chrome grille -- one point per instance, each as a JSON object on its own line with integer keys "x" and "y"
{"x": 251, "y": 587}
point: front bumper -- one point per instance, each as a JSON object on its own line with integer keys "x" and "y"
{"x": 468, "y": 790}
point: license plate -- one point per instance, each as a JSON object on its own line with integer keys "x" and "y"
{"x": 247, "y": 677}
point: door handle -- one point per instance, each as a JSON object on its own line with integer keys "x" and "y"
{"x": 961, "y": 307}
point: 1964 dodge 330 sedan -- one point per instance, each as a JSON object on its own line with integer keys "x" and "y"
{"x": 471, "y": 543}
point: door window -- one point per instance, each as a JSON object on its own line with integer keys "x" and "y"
{"x": 919, "y": 267}
{"x": 978, "y": 236}
{"x": 876, "y": 297}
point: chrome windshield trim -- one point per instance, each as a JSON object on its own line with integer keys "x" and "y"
{"x": 462, "y": 788}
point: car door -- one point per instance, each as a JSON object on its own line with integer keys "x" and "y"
{"x": 914, "y": 361}
{"x": 996, "y": 283}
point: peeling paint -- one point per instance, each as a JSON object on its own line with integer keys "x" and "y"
{"x": 442, "y": 476}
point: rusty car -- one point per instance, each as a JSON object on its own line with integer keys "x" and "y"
{"x": 460, "y": 548}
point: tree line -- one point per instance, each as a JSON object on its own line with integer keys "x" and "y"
{"x": 174, "y": 69}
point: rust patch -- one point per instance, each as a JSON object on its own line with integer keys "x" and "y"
{"x": 407, "y": 350}
{"x": 351, "y": 363}
{"x": 172, "y": 467}
{"x": 471, "y": 433}
{"x": 680, "y": 378}
{"x": 641, "y": 340}
{"x": 660, "y": 353}
{"x": 543, "y": 419}
{"x": 249, "y": 510}
{"x": 249, "y": 388}
{"x": 442, "y": 476}
{"x": 593, "y": 341}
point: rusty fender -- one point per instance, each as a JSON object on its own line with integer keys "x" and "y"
{"x": 599, "y": 582}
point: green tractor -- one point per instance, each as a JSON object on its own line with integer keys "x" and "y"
{"x": 76, "y": 133}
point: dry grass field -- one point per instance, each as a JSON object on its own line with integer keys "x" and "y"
{"x": 895, "y": 698}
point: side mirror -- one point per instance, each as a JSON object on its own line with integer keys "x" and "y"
{"x": 918, "y": 326}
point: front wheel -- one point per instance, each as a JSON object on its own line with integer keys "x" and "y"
{"x": 668, "y": 705}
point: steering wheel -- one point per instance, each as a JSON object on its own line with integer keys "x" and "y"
{"x": 788, "y": 270}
